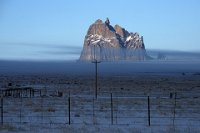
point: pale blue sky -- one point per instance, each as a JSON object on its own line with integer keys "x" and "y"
{"x": 55, "y": 29}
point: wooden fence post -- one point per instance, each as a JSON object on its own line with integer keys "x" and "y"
{"x": 93, "y": 112}
{"x": 1, "y": 110}
{"x": 69, "y": 109}
{"x": 20, "y": 113}
{"x": 174, "y": 107}
{"x": 111, "y": 102}
{"x": 149, "y": 117}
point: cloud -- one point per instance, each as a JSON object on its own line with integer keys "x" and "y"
{"x": 60, "y": 52}
{"x": 43, "y": 45}
{"x": 175, "y": 55}
{"x": 47, "y": 48}
{"x": 39, "y": 51}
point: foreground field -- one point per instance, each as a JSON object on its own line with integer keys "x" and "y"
{"x": 138, "y": 103}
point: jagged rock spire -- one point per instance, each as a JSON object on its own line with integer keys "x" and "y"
{"x": 112, "y": 43}
{"x": 107, "y": 22}
{"x": 142, "y": 39}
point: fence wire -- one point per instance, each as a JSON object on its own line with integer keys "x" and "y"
{"x": 107, "y": 109}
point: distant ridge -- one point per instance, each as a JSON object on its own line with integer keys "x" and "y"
{"x": 107, "y": 43}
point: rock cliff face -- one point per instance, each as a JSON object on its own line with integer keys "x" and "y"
{"x": 107, "y": 43}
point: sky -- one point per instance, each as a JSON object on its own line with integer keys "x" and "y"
{"x": 55, "y": 29}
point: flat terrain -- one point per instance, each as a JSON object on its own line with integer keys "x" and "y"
{"x": 63, "y": 103}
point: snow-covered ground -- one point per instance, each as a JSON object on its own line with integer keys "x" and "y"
{"x": 127, "y": 111}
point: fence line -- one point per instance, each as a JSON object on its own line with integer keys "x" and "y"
{"x": 1, "y": 110}
{"x": 118, "y": 110}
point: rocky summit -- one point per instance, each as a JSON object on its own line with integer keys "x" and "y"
{"x": 103, "y": 42}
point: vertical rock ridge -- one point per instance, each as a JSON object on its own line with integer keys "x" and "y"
{"x": 110, "y": 43}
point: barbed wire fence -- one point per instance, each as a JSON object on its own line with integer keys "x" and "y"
{"x": 110, "y": 108}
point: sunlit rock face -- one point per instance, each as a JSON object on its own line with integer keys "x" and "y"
{"x": 107, "y": 43}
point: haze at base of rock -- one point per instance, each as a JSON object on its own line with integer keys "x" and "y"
{"x": 107, "y": 43}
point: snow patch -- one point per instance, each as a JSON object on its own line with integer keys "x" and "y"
{"x": 94, "y": 42}
{"x": 129, "y": 38}
{"x": 97, "y": 38}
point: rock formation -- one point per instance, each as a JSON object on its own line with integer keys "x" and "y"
{"x": 107, "y": 43}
